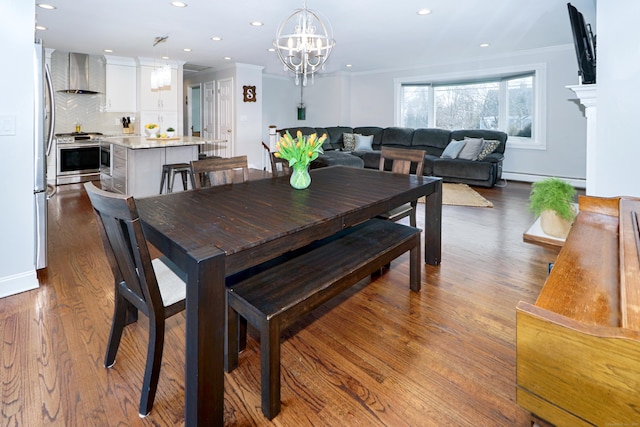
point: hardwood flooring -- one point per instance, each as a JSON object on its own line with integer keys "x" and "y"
{"x": 379, "y": 355}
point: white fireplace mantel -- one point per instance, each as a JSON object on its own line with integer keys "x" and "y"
{"x": 587, "y": 96}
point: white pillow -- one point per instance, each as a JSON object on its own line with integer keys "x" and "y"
{"x": 471, "y": 148}
{"x": 453, "y": 149}
{"x": 363, "y": 142}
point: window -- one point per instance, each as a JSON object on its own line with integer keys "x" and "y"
{"x": 467, "y": 106}
{"x": 509, "y": 102}
{"x": 414, "y": 106}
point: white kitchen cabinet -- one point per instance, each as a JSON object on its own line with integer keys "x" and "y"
{"x": 121, "y": 85}
{"x": 138, "y": 172}
{"x": 165, "y": 98}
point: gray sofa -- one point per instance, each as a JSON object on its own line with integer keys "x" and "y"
{"x": 485, "y": 172}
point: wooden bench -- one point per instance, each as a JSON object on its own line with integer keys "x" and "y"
{"x": 275, "y": 298}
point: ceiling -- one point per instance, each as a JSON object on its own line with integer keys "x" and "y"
{"x": 369, "y": 34}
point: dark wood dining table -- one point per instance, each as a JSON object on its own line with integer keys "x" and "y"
{"x": 215, "y": 232}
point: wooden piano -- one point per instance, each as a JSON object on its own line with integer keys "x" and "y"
{"x": 578, "y": 346}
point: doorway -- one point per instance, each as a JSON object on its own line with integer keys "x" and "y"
{"x": 194, "y": 111}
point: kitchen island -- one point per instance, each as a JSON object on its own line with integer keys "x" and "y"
{"x": 133, "y": 164}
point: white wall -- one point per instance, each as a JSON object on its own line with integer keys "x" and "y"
{"x": 248, "y": 127}
{"x": 17, "y": 269}
{"x": 618, "y": 110}
{"x": 249, "y": 115}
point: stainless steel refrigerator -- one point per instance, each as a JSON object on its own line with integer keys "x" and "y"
{"x": 42, "y": 139}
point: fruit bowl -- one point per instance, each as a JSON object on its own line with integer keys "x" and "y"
{"x": 151, "y": 131}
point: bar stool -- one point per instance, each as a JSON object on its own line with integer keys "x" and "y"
{"x": 169, "y": 172}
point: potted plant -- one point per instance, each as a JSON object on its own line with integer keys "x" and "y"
{"x": 170, "y": 132}
{"x": 553, "y": 200}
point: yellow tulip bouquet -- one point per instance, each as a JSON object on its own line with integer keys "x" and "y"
{"x": 299, "y": 152}
{"x": 302, "y": 150}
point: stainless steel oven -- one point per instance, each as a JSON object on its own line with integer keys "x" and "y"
{"x": 78, "y": 157}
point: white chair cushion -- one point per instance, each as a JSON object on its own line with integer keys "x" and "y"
{"x": 172, "y": 287}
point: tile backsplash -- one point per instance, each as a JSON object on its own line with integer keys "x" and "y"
{"x": 88, "y": 110}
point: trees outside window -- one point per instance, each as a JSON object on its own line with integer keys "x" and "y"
{"x": 504, "y": 103}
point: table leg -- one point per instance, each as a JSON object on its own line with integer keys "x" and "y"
{"x": 433, "y": 226}
{"x": 205, "y": 312}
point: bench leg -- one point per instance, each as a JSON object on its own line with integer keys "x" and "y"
{"x": 270, "y": 367}
{"x": 415, "y": 266}
{"x": 231, "y": 348}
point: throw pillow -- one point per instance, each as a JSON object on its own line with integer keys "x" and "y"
{"x": 363, "y": 142}
{"x": 488, "y": 147}
{"x": 453, "y": 149}
{"x": 471, "y": 148}
{"x": 349, "y": 141}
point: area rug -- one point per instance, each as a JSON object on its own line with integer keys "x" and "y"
{"x": 461, "y": 195}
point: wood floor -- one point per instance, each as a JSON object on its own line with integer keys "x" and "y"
{"x": 378, "y": 356}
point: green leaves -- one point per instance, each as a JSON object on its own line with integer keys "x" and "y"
{"x": 303, "y": 149}
{"x": 553, "y": 194}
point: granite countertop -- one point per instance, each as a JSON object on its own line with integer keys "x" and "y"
{"x": 141, "y": 142}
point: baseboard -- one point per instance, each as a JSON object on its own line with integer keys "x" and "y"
{"x": 17, "y": 283}
{"x": 578, "y": 183}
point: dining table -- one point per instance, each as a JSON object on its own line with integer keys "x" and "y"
{"x": 213, "y": 233}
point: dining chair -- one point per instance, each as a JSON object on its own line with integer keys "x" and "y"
{"x": 279, "y": 167}
{"x": 155, "y": 287}
{"x": 219, "y": 170}
{"x": 402, "y": 160}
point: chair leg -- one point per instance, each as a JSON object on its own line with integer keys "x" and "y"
{"x": 184, "y": 180}
{"x": 412, "y": 215}
{"x": 270, "y": 367}
{"x": 172, "y": 178}
{"x": 242, "y": 333}
{"x": 152, "y": 370}
{"x": 231, "y": 349}
{"x": 120, "y": 311}
{"x": 164, "y": 174}
{"x": 192, "y": 179}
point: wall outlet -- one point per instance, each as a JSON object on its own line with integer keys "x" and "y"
{"x": 117, "y": 121}
{"x": 7, "y": 125}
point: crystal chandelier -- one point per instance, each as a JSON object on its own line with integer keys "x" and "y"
{"x": 303, "y": 43}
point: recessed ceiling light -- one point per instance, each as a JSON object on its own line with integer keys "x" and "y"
{"x": 41, "y": 27}
{"x": 423, "y": 12}
{"x": 187, "y": 49}
{"x": 46, "y": 6}
{"x": 216, "y": 38}
{"x": 272, "y": 49}
{"x": 108, "y": 50}
{"x": 348, "y": 65}
{"x": 485, "y": 45}
{"x": 257, "y": 24}
{"x": 165, "y": 57}
{"x": 228, "y": 58}
{"x": 178, "y": 4}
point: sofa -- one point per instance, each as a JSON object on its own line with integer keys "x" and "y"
{"x": 458, "y": 166}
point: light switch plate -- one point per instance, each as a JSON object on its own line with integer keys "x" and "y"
{"x": 7, "y": 125}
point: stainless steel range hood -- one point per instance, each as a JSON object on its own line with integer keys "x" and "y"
{"x": 78, "y": 75}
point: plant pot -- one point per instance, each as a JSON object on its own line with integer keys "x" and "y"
{"x": 553, "y": 225}
{"x": 300, "y": 178}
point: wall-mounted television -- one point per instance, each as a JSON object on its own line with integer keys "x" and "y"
{"x": 585, "y": 43}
